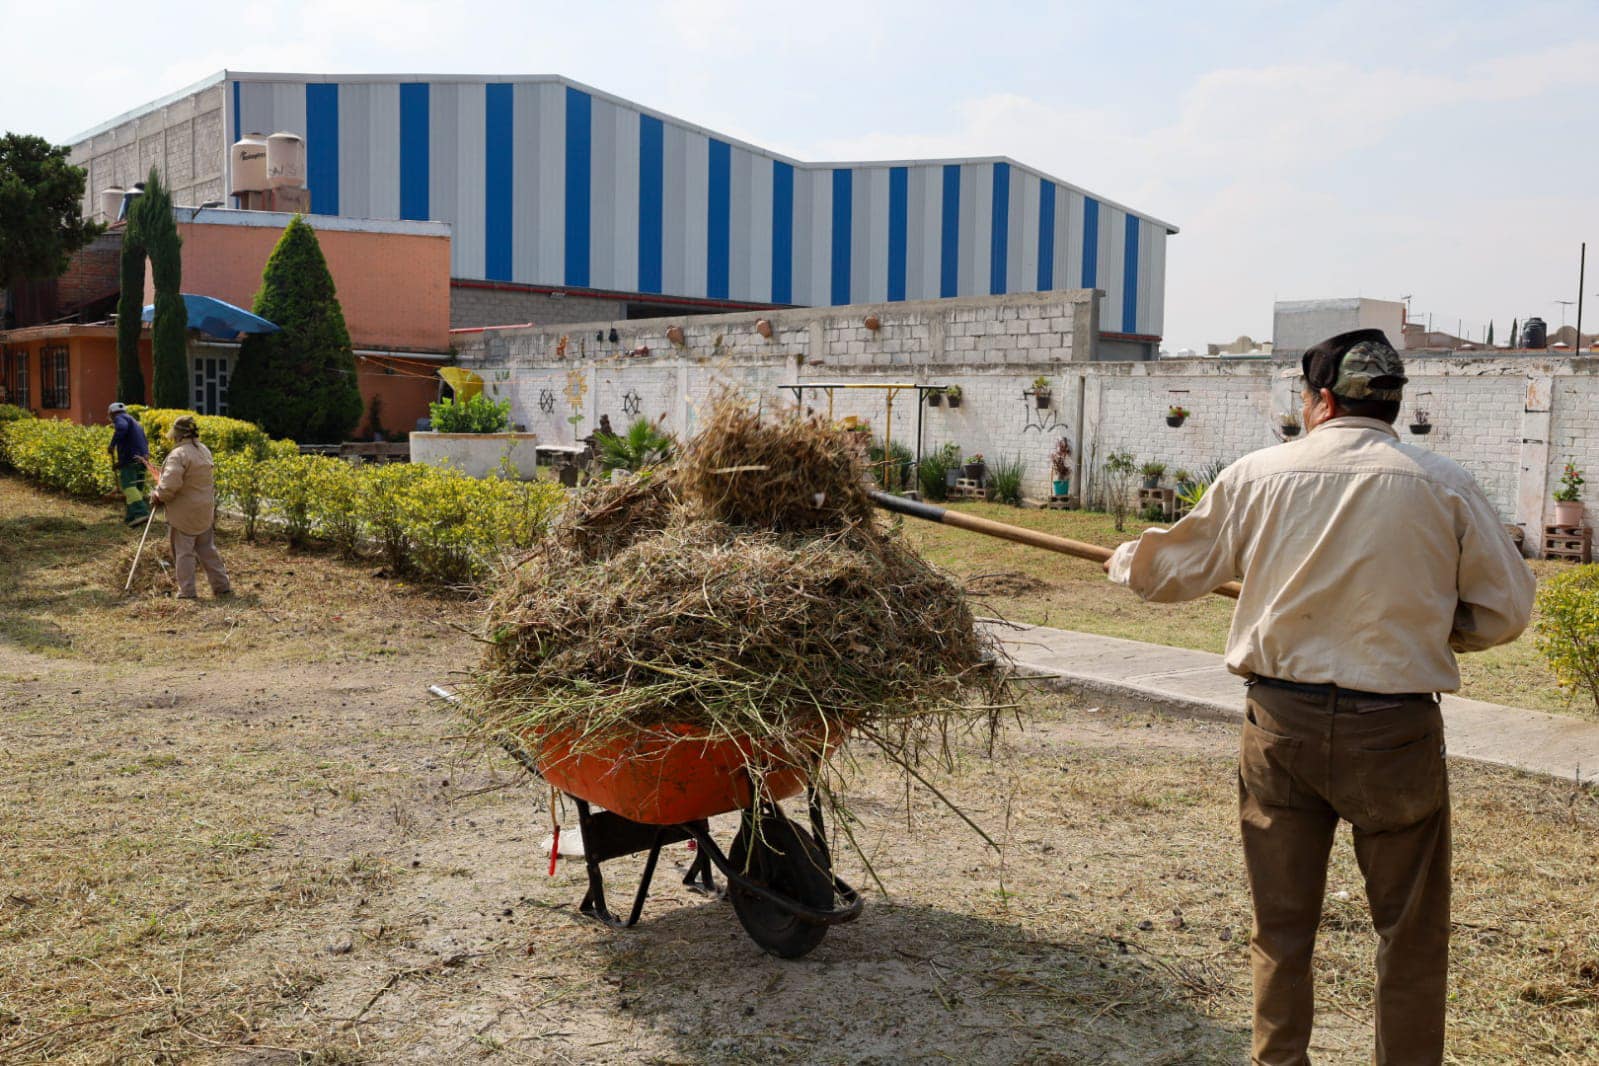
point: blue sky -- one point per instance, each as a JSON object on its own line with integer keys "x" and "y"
{"x": 1442, "y": 150}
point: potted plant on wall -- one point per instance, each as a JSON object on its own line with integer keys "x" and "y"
{"x": 1568, "y": 498}
{"x": 1060, "y": 465}
{"x": 953, "y": 395}
{"x": 935, "y": 397}
{"x": 1042, "y": 392}
{"x": 976, "y": 466}
{"x": 1152, "y": 474}
{"x": 1420, "y": 423}
{"x": 1176, "y": 415}
{"x": 1289, "y": 423}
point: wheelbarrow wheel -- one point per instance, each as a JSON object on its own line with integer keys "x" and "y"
{"x": 787, "y": 861}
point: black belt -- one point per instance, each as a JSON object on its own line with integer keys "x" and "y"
{"x": 1323, "y": 690}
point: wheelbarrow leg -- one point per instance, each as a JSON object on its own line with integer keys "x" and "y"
{"x": 594, "y": 899}
{"x": 698, "y": 878}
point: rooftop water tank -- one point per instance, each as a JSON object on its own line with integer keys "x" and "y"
{"x": 249, "y": 164}
{"x": 111, "y": 202}
{"x": 127, "y": 200}
{"x": 1534, "y": 334}
{"x": 286, "y": 160}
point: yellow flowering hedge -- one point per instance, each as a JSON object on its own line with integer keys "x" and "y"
{"x": 59, "y": 455}
{"x": 219, "y": 433}
{"x": 1568, "y": 629}
{"x": 431, "y": 522}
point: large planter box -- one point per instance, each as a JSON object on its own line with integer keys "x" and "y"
{"x": 477, "y": 454}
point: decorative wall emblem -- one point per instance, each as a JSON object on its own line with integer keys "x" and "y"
{"x": 547, "y": 401}
{"x": 632, "y": 402}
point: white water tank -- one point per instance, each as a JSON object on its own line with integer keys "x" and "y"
{"x": 111, "y": 202}
{"x": 286, "y": 161}
{"x": 249, "y": 164}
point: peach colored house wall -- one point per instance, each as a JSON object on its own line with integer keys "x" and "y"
{"x": 91, "y": 374}
{"x": 392, "y": 278}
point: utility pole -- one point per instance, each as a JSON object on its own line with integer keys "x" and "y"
{"x": 1582, "y": 270}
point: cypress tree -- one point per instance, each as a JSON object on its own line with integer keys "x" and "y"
{"x": 1490, "y": 332}
{"x": 170, "y": 330}
{"x": 130, "y": 305}
{"x": 298, "y": 383}
{"x": 1515, "y": 333}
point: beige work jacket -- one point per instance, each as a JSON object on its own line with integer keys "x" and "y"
{"x": 188, "y": 488}
{"x": 1366, "y": 562}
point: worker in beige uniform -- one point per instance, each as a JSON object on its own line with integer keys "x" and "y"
{"x": 186, "y": 486}
{"x": 1367, "y": 563}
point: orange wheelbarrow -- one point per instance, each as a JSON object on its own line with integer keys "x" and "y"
{"x": 663, "y": 788}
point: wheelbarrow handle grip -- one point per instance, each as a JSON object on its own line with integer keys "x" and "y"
{"x": 1048, "y": 541}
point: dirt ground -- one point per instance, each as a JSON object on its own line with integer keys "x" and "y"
{"x": 241, "y": 832}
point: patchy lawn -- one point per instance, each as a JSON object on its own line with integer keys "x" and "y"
{"x": 1041, "y": 588}
{"x": 241, "y": 833}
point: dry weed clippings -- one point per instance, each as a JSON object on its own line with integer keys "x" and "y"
{"x": 738, "y": 606}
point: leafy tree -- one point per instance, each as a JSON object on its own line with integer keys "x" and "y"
{"x": 158, "y": 233}
{"x": 299, "y": 383}
{"x": 41, "y": 212}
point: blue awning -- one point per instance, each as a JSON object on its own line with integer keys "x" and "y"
{"x": 217, "y": 318}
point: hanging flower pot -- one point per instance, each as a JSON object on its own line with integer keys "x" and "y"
{"x": 1042, "y": 397}
{"x": 1420, "y": 423}
{"x": 953, "y": 395}
{"x": 1176, "y": 416}
{"x": 873, "y": 323}
{"x": 935, "y": 398}
{"x": 675, "y": 335}
{"x": 1289, "y": 425}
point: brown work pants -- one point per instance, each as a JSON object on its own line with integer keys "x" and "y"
{"x": 1378, "y": 763}
{"x": 187, "y": 548}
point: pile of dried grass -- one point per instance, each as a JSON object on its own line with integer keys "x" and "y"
{"x": 745, "y": 591}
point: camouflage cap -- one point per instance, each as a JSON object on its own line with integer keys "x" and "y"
{"x": 1358, "y": 365}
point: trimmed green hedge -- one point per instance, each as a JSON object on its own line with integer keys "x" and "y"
{"x": 219, "y": 434}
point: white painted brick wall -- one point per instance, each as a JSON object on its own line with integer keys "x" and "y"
{"x": 994, "y": 348}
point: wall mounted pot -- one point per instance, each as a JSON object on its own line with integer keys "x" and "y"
{"x": 1421, "y": 429}
{"x": 935, "y": 398}
{"x": 764, "y": 328}
{"x": 873, "y": 323}
{"x": 1290, "y": 431}
{"x": 675, "y": 335}
{"x": 1175, "y": 421}
{"x": 1042, "y": 397}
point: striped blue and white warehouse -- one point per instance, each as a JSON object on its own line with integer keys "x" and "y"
{"x": 547, "y": 182}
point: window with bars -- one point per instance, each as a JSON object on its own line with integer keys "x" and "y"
{"x": 55, "y": 379}
{"x": 16, "y": 367}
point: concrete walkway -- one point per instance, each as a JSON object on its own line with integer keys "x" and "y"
{"x": 1131, "y": 673}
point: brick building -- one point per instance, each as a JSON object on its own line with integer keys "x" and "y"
{"x": 392, "y": 280}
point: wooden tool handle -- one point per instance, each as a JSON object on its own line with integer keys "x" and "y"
{"x": 1032, "y": 537}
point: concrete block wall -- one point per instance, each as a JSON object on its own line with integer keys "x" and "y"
{"x": 484, "y": 305}
{"x": 1513, "y": 422}
{"x": 185, "y": 140}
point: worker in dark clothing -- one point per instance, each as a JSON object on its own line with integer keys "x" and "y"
{"x": 1368, "y": 564}
{"x": 128, "y": 450}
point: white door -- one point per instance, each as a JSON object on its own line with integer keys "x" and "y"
{"x": 211, "y": 373}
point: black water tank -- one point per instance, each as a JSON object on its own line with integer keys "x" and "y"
{"x": 1534, "y": 334}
